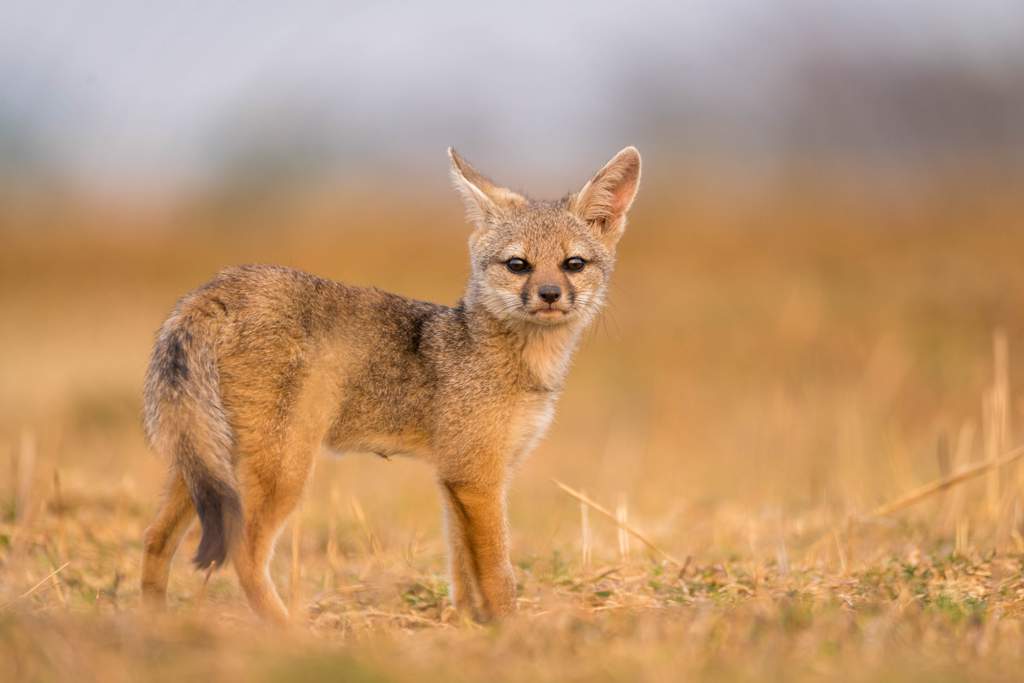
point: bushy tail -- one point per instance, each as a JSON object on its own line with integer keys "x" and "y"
{"x": 186, "y": 422}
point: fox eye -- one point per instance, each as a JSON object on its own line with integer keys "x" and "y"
{"x": 574, "y": 264}
{"x": 517, "y": 265}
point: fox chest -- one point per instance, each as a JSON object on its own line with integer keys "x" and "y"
{"x": 527, "y": 422}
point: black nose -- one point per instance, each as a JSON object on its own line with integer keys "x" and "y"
{"x": 550, "y": 293}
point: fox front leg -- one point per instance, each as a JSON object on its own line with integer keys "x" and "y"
{"x": 464, "y": 591}
{"x": 479, "y": 543}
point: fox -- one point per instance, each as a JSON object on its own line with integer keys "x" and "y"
{"x": 260, "y": 369}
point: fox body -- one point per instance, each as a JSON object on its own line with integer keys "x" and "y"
{"x": 257, "y": 370}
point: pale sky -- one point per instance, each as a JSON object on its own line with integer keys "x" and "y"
{"x": 133, "y": 92}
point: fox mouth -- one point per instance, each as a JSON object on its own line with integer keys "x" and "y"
{"x": 549, "y": 314}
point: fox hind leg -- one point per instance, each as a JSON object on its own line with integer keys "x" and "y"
{"x": 269, "y": 495}
{"x": 162, "y": 538}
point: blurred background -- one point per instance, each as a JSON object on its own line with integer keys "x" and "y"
{"x": 818, "y": 306}
{"x": 825, "y": 246}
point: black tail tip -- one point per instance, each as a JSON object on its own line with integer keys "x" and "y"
{"x": 212, "y": 552}
{"x": 220, "y": 517}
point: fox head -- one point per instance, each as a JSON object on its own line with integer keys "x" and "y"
{"x": 540, "y": 262}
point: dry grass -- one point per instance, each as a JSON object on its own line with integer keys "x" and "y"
{"x": 772, "y": 369}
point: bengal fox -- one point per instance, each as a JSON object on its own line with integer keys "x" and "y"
{"x": 258, "y": 369}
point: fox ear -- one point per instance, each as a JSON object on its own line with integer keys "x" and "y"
{"x": 605, "y": 199}
{"x": 482, "y": 197}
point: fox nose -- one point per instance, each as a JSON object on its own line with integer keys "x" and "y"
{"x": 550, "y": 293}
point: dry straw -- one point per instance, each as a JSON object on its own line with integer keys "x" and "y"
{"x": 582, "y": 498}
{"x": 52, "y": 575}
{"x": 295, "y": 583}
{"x": 586, "y": 538}
{"x": 996, "y": 415}
{"x": 622, "y": 517}
{"x": 24, "y": 466}
{"x": 997, "y": 435}
{"x": 939, "y": 485}
{"x": 371, "y": 538}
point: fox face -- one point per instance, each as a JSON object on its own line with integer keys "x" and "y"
{"x": 540, "y": 264}
{"x": 546, "y": 263}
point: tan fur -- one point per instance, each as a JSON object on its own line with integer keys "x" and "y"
{"x": 261, "y": 368}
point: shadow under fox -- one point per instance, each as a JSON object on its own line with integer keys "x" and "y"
{"x": 257, "y": 370}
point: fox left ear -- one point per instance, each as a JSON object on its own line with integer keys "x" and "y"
{"x": 604, "y": 201}
{"x": 482, "y": 197}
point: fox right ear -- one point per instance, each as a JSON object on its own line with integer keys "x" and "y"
{"x": 481, "y": 196}
{"x": 605, "y": 199}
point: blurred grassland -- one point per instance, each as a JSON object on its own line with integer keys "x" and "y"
{"x": 773, "y": 360}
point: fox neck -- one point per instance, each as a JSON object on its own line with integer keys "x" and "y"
{"x": 547, "y": 351}
{"x": 543, "y": 351}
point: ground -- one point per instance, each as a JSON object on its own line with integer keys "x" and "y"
{"x": 770, "y": 371}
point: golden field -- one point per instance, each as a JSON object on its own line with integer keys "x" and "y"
{"x": 775, "y": 363}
